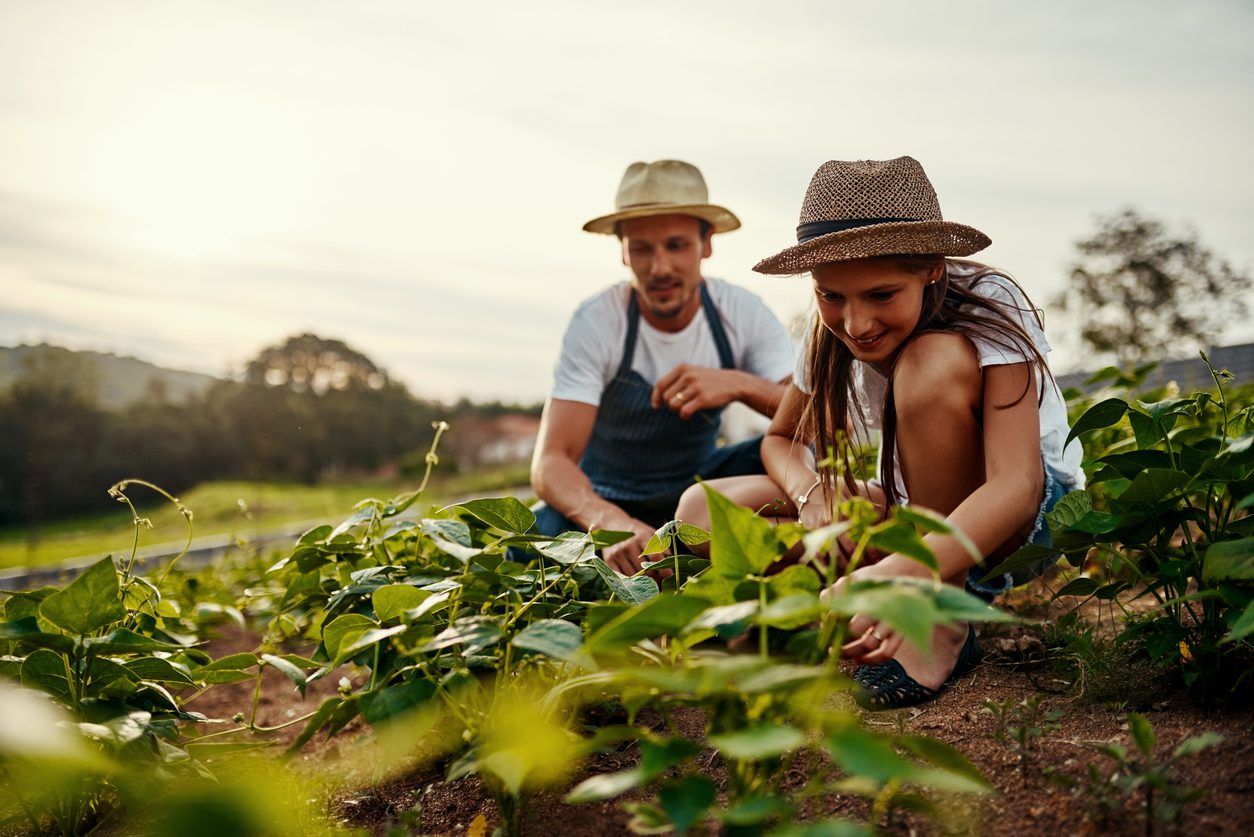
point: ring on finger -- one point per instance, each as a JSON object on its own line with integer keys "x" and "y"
{"x": 871, "y": 630}
{"x": 679, "y": 396}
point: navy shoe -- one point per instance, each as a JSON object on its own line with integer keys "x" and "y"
{"x": 887, "y": 686}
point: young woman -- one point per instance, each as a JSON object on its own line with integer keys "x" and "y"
{"x": 945, "y": 358}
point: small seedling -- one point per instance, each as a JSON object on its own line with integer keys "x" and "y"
{"x": 1020, "y": 726}
{"x": 1139, "y": 774}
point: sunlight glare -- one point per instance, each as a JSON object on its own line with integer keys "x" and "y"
{"x": 201, "y": 172}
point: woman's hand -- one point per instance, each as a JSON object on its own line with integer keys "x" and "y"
{"x": 873, "y": 642}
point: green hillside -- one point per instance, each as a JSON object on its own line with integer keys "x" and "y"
{"x": 116, "y": 381}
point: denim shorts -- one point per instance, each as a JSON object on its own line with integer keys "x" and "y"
{"x": 1056, "y": 487}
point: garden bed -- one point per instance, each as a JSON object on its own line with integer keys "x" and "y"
{"x": 1018, "y": 666}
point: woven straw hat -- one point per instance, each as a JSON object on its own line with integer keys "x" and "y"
{"x": 666, "y": 187}
{"x": 861, "y": 208}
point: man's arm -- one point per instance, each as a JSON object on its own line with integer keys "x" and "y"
{"x": 565, "y": 428}
{"x": 687, "y": 389}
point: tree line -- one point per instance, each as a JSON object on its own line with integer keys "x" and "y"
{"x": 305, "y": 410}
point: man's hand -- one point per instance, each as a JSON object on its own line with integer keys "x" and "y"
{"x": 625, "y": 557}
{"x": 687, "y": 389}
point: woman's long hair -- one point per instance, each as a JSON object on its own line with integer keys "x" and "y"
{"x": 947, "y": 306}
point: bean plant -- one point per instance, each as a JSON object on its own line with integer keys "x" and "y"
{"x": 1167, "y": 515}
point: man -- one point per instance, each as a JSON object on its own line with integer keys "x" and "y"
{"x": 647, "y": 367}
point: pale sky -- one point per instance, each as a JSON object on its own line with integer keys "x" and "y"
{"x": 188, "y": 182}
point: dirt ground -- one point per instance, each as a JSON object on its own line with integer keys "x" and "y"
{"x": 1017, "y": 665}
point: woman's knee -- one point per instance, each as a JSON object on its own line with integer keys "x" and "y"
{"x": 937, "y": 371}
{"x": 756, "y": 491}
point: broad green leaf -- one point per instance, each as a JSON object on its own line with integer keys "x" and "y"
{"x": 123, "y": 641}
{"x": 353, "y": 644}
{"x": 22, "y": 604}
{"x": 874, "y": 757}
{"x": 350, "y": 624}
{"x": 632, "y": 589}
{"x": 793, "y": 580}
{"x": 663, "y": 615}
{"x": 1155, "y": 485}
{"x": 449, "y": 529}
{"x": 779, "y": 677}
{"x": 474, "y": 633}
{"x": 120, "y": 730}
{"x": 1069, "y": 508}
{"x": 717, "y": 617}
{"x": 791, "y": 611}
{"x": 1142, "y": 734}
{"x": 947, "y": 758}
{"x": 903, "y": 539}
{"x": 1145, "y": 430}
{"x": 761, "y": 741}
{"x": 438, "y": 601}
{"x": 1197, "y": 744}
{"x": 452, "y": 537}
{"x": 1244, "y": 625}
{"x": 293, "y": 672}
{"x": 27, "y": 630}
{"x": 1027, "y": 556}
{"x": 686, "y": 800}
{"x": 395, "y": 599}
{"x": 1096, "y": 523}
{"x": 957, "y": 605}
{"x": 908, "y": 609}
{"x": 394, "y": 701}
{"x": 236, "y": 662}
{"x": 1229, "y": 561}
{"x": 568, "y": 548}
{"x": 91, "y": 601}
{"x": 1102, "y": 414}
{"x": 551, "y": 637}
{"x": 756, "y": 810}
{"x": 659, "y": 754}
{"x": 1131, "y": 463}
{"x": 48, "y": 672}
{"x": 158, "y": 669}
{"x": 925, "y": 519}
{"x": 741, "y": 542}
{"x": 1160, "y": 410}
{"x": 504, "y": 513}
{"x": 1082, "y": 586}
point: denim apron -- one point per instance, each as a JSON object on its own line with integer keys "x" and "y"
{"x": 638, "y": 453}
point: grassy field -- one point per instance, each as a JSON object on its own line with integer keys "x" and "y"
{"x": 241, "y": 509}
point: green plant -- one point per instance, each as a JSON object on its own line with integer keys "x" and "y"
{"x": 102, "y": 648}
{"x": 1166, "y": 514}
{"x": 1139, "y": 773}
{"x": 1021, "y": 726}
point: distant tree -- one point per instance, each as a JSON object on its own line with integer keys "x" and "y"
{"x": 307, "y": 362}
{"x": 1143, "y": 294}
{"x": 313, "y": 407}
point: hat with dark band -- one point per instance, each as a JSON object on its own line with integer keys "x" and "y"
{"x": 862, "y": 208}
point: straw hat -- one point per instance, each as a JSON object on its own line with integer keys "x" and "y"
{"x": 666, "y": 187}
{"x": 861, "y": 208}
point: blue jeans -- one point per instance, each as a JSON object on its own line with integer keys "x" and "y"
{"x": 1056, "y": 487}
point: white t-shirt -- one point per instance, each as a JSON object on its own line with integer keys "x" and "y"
{"x": 868, "y": 386}
{"x": 592, "y": 348}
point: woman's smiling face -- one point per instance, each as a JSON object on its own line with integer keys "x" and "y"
{"x": 871, "y": 305}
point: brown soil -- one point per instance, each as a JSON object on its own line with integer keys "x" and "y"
{"x": 1017, "y": 666}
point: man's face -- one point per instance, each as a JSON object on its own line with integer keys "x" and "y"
{"x": 664, "y": 253}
